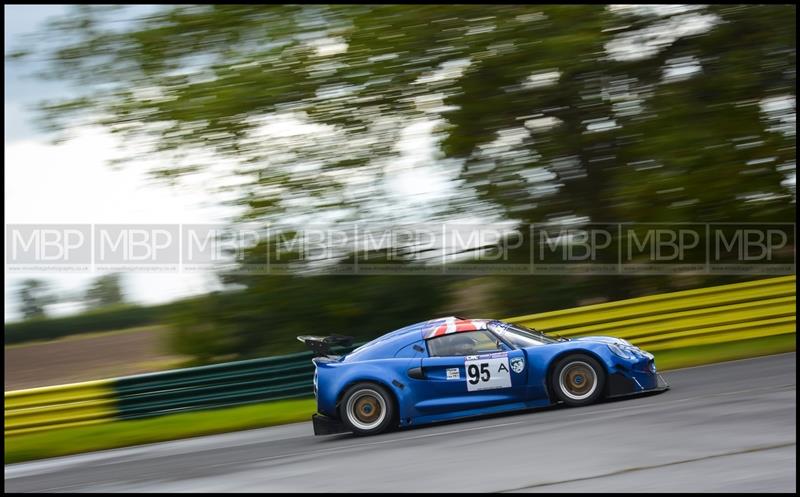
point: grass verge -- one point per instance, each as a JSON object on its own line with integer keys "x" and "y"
{"x": 115, "y": 434}
{"x": 728, "y": 351}
{"x": 135, "y": 432}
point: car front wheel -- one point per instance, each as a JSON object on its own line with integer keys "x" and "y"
{"x": 367, "y": 409}
{"x": 578, "y": 380}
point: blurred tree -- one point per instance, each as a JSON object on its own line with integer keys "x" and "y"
{"x": 34, "y": 296}
{"x": 105, "y": 290}
{"x": 534, "y": 113}
{"x": 598, "y": 113}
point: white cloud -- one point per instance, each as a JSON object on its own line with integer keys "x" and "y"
{"x": 70, "y": 183}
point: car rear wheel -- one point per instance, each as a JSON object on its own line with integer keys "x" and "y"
{"x": 367, "y": 409}
{"x": 578, "y": 380}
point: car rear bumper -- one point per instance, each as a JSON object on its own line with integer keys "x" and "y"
{"x": 324, "y": 425}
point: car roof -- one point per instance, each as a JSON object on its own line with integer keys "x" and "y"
{"x": 454, "y": 324}
{"x": 387, "y": 345}
{"x": 437, "y": 327}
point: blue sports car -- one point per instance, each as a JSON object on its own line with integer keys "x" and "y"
{"x": 452, "y": 367}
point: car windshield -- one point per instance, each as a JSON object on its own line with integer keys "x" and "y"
{"x": 519, "y": 335}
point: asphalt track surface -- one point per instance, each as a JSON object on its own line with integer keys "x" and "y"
{"x": 728, "y": 427}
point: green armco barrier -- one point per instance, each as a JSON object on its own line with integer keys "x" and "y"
{"x": 217, "y": 385}
{"x": 705, "y": 316}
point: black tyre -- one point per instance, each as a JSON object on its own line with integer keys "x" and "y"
{"x": 367, "y": 409}
{"x": 578, "y": 380}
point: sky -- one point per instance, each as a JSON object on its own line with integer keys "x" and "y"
{"x": 70, "y": 183}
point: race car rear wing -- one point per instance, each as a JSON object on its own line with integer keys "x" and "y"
{"x": 321, "y": 346}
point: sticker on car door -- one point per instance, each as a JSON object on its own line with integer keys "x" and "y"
{"x": 487, "y": 373}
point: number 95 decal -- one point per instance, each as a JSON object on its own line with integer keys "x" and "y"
{"x": 487, "y": 374}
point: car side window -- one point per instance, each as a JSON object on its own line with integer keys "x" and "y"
{"x": 464, "y": 343}
{"x": 416, "y": 349}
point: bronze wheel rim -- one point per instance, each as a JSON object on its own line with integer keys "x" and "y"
{"x": 366, "y": 409}
{"x": 578, "y": 380}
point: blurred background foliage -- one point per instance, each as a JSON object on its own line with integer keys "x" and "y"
{"x": 533, "y": 113}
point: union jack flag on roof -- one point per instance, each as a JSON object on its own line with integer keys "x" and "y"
{"x": 454, "y": 325}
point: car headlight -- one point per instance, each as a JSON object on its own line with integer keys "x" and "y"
{"x": 621, "y": 352}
